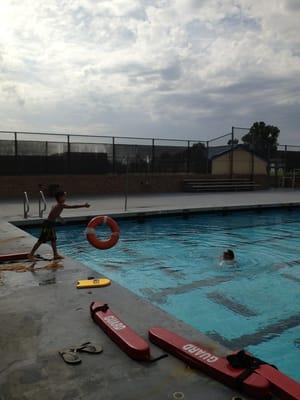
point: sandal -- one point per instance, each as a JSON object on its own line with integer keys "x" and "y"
{"x": 89, "y": 347}
{"x": 70, "y": 356}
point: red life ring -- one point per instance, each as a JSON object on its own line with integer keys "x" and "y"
{"x": 91, "y": 233}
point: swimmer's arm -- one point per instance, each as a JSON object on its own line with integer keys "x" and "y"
{"x": 76, "y": 205}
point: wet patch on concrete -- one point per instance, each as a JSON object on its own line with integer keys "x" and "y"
{"x": 231, "y": 304}
{"x": 265, "y": 334}
{"x": 49, "y": 281}
{"x": 161, "y": 296}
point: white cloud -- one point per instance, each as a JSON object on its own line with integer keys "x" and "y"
{"x": 155, "y": 67}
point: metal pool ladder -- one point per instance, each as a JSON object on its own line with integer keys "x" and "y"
{"x": 42, "y": 204}
{"x": 26, "y": 205}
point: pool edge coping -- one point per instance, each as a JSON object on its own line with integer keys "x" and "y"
{"x": 158, "y": 212}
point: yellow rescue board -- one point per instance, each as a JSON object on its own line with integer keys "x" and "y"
{"x": 92, "y": 283}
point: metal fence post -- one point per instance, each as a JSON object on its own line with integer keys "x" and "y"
{"x": 68, "y": 154}
{"x": 252, "y": 158}
{"x": 269, "y": 158}
{"x": 153, "y": 155}
{"x": 126, "y": 187}
{"x": 269, "y": 164}
{"x": 16, "y": 143}
{"x": 207, "y": 157}
{"x": 285, "y": 160}
{"x": 46, "y": 157}
{"x": 231, "y": 153}
{"x": 188, "y": 157}
{"x": 16, "y": 151}
{"x": 113, "y": 155}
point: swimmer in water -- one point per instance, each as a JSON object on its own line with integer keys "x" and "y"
{"x": 228, "y": 255}
{"x": 228, "y": 258}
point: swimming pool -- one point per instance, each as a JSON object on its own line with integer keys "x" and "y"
{"x": 174, "y": 263}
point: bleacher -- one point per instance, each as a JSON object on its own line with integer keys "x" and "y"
{"x": 219, "y": 185}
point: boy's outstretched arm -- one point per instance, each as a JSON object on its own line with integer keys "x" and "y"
{"x": 77, "y": 205}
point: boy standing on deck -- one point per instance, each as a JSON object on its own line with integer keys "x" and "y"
{"x": 48, "y": 227}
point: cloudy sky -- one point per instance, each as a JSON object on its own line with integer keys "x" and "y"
{"x": 155, "y": 68}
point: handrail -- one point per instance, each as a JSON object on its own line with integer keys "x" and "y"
{"x": 42, "y": 200}
{"x": 26, "y": 205}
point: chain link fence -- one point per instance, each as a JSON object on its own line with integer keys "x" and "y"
{"x": 28, "y": 153}
{"x": 235, "y": 153}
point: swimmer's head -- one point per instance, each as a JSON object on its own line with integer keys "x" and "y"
{"x": 228, "y": 255}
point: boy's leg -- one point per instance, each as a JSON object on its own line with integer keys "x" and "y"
{"x": 34, "y": 249}
{"x": 56, "y": 256}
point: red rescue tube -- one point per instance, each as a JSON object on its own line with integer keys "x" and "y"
{"x": 13, "y": 257}
{"x": 91, "y": 233}
{"x": 283, "y": 386}
{"x": 217, "y": 367}
{"x": 128, "y": 340}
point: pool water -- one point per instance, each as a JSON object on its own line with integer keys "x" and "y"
{"x": 174, "y": 263}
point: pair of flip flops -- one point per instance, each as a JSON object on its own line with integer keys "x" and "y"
{"x": 71, "y": 356}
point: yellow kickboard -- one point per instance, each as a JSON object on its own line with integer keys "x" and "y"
{"x": 92, "y": 283}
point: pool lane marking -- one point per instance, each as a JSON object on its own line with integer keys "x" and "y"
{"x": 231, "y": 304}
{"x": 171, "y": 271}
{"x": 291, "y": 277}
{"x": 282, "y": 265}
{"x": 208, "y": 229}
{"x": 265, "y": 334}
{"x": 269, "y": 239}
{"x": 161, "y": 296}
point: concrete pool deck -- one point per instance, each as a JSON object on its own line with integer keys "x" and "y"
{"x": 42, "y": 312}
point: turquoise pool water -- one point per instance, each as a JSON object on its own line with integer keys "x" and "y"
{"x": 174, "y": 263}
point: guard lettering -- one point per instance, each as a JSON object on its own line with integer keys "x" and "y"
{"x": 114, "y": 323}
{"x": 201, "y": 354}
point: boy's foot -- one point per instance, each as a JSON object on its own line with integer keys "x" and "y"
{"x": 58, "y": 257}
{"x": 31, "y": 257}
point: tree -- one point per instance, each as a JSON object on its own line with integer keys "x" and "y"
{"x": 233, "y": 142}
{"x": 262, "y": 138}
{"x": 198, "y": 158}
